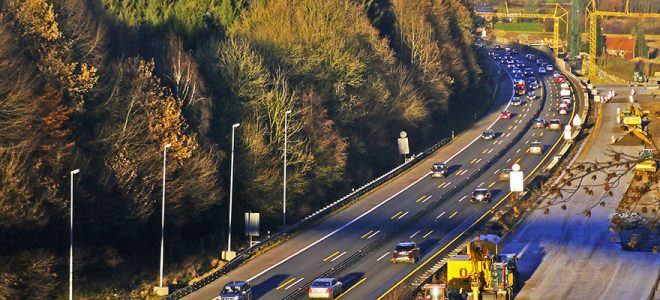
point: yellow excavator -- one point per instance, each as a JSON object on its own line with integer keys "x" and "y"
{"x": 483, "y": 273}
{"x": 635, "y": 121}
{"x": 647, "y": 161}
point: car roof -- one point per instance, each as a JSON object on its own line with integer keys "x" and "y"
{"x": 406, "y": 244}
{"x": 554, "y": 121}
{"x": 538, "y": 120}
{"x": 481, "y": 190}
{"x": 324, "y": 279}
{"x": 536, "y": 143}
{"x": 236, "y": 283}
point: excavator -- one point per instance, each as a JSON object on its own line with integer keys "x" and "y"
{"x": 647, "y": 162}
{"x": 636, "y": 121}
{"x": 482, "y": 274}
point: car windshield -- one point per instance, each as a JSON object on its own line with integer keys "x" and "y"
{"x": 480, "y": 192}
{"x": 231, "y": 289}
{"x": 321, "y": 284}
{"x": 405, "y": 247}
{"x": 488, "y": 132}
{"x": 536, "y": 144}
{"x": 554, "y": 121}
{"x": 439, "y": 166}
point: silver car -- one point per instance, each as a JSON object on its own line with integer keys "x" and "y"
{"x": 535, "y": 148}
{"x": 325, "y": 288}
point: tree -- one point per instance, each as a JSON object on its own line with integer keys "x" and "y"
{"x": 641, "y": 48}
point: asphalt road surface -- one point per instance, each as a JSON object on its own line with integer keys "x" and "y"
{"x": 356, "y": 248}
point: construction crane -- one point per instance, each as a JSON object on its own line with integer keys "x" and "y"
{"x": 592, "y": 14}
{"x": 560, "y": 14}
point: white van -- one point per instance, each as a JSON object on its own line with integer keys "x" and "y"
{"x": 565, "y": 92}
{"x": 564, "y": 85}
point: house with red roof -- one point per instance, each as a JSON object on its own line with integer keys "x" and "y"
{"x": 621, "y": 46}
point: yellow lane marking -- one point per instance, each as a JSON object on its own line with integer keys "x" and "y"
{"x": 370, "y": 231}
{"x": 459, "y": 172}
{"x": 541, "y": 134}
{"x": 474, "y": 223}
{"x": 491, "y": 185}
{"x": 441, "y": 185}
{"x": 420, "y": 198}
{"x": 396, "y": 215}
{"x": 330, "y": 256}
{"x": 452, "y": 215}
{"x": 426, "y": 235}
{"x": 484, "y": 152}
{"x": 510, "y": 126}
{"x": 473, "y": 160}
{"x": 352, "y": 287}
{"x": 287, "y": 282}
{"x": 517, "y": 160}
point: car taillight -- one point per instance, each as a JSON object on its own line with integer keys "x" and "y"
{"x": 328, "y": 290}
{"x": 309, "y": 290}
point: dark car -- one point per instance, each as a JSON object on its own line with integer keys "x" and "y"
{"x": 539, "y": 61}
{"x": 406, "y": 252}
{"x": 439, "y": 169}
{"x": 528, "y": 72}
{"x": 236, "y": 290}
{"x": 515, "y": 101}
{"x": 531, "y": 95}
{"x": 538, "y": 123}
{"x": 531, "y": 79}
{"x": 480, "y": 195}
{"x": 514, "y": 51}
{"x": 498, "y": 46}
{"x": 488, "y": 134}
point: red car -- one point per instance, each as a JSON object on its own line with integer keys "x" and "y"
{"x": 561, "y": 79}
{"x": 505, "y": 115}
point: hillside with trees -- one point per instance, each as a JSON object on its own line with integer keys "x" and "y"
{"x": 103, "y": 85}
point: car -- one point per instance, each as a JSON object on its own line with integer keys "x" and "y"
{"x": 531, "y": 95}
{"x": 520, "y": 65}
{"x": 503, "y": 61}
{"x": 491, "y": 53}
{"x": 542, "y": 70}
{"x": 505, "y": 114}
{"x": 480, "y": 195}
{"x": 544, "y": 64}
{"x": 535, "y": 148}
{"x": 560, "y": 79}
{"x": 514, "y": 51}
{"x": 564, "y": 85}
{"x": 520, "y": 61}
{"x": 549, "y": 67}
{"x": 531, "y": 79}
{"x": 236, "y": 290}
{"x": 517, "y": 77}
{"x": 406, "y": 252}
{"x": 538, "y": 123}
{"x": 510, "y": 66}
{"x": 566, "y": 99}
{"x": 488, "y": 134}
{"x": 554, "y": 124}
{"x": 531, "y": 57}
{"x": 508, "y": 56}
{"x": 507, "y": 48}
{"x": 534, "y": 86}
{"x": 564, "y": 92}
{"x": 528, "y": 71}
{"x": 562, "y": 109}
{"x": 516, "y": 71}
{"x": 498, "y": 47}
{"x": 504, "y": 174}
{"x": 515, "y": 101}
{"x": 439, "y": 169}
{"x": 510, "y": 61}
{"x": 324, "y": 288}
{"x": 539, "y": 61}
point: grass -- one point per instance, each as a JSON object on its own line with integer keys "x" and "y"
{"x": 522, "y": 27}
{"x": 624, "y": 68}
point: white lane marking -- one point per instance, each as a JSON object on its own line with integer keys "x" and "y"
{"x": 375, "y": 233}
{"x": 429, "y": 197}
{"x": 336, "y": 230}
{"x": 414, "y": 234}
{"x": 401, "y": 216}
{"x": 508, "y": 134}
{"x": 518, "y": 150}
{"x": 508, "y": 160}
{"x": 491, "y": 150}
{"x": 381, "y": 257}
{"x": 481, "y": 184}
{"x": 520, "y": 254}
{"x": 438, "y": 217}
{"x": 534, "y": 134}
{"x": 461, "y": 200}
{"x": 338, "y": 256}
{"x": 527, "y": 142}
{"x": 294, "y": 283}
{"x": 478, "y": 160}
{"x": 514, "y": 127}
{"x": 500, "y": 142}
{"x": 496, "y": 171}
{"x": 446, "y": 185}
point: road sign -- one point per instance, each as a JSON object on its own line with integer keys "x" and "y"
{"x": 403, "y": 143}
{"x": 252, "y": 224}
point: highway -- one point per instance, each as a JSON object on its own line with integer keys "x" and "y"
{"x": 355, "y": 247}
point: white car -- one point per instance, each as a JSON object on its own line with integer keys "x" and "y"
{"x": 325, "y": 288}
{"x": 562, "y": 109}
{"x": 564, "y": 85}
{"x": 564, "y": 92}
{"x": 542, "y": 70}
{"x": 535, "y": 147}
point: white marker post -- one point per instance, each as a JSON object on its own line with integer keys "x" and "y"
{"x": 567, "y": 132}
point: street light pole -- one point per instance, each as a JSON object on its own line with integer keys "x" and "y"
{"x": 286, "y": 121}
{"x": 162, "y": 227}
{"x": 71, "y": 238}
{"x": 231, "y": 184}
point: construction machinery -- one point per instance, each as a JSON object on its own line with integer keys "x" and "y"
{"x": 646, "y": 162}
{"x": 483, "y": 273}
{"x": 434, "y": 291}
{"x": 635, "y": 121}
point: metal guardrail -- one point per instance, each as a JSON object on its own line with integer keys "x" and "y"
{"x": 248, "y": 253}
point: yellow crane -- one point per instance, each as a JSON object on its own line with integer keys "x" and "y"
{"x": 593, "y": 13}
{"x": 560, "y": 14}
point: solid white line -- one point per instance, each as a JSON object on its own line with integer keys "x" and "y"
{"x": 338, "y": 256}
{"x": 386, "y": 253}
{"x": 414, "y": 234}
{"x": 438, "y": 217}
{"x": 401, "y": 216}
{"x": 296, "y": 282}
{"x": 375, "y": 233}
{"x": 336, "y": 230}
{"x": 461, "y": 200}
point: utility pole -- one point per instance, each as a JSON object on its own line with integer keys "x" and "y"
{"x": 286, "y": 121}
{"x": 575, "y": 30}
{"x": 74, "y": 172}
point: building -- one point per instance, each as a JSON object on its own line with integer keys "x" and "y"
{"x": 621, "y": 46}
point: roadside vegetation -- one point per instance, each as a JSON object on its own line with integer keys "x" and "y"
{"x": 104, "y": 85}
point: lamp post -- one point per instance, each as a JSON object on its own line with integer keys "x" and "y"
{"x": 286, "y": 121}
{"x": 76, "y": 171}
{"x": 162, "y": 227}
{"x": 229, "y": 255}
